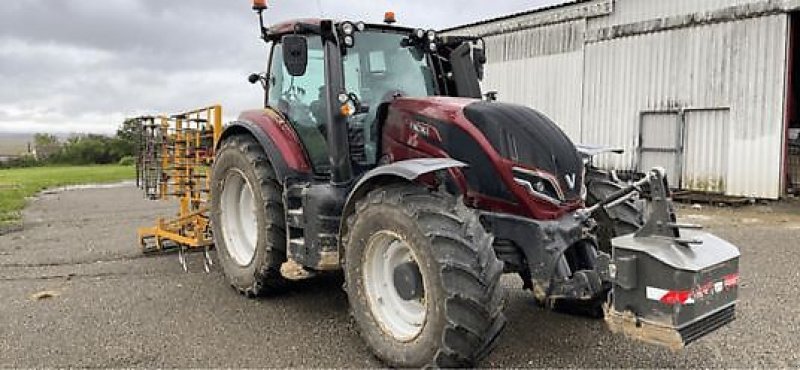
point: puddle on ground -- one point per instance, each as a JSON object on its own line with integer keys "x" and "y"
{"x": 88, "y": 186}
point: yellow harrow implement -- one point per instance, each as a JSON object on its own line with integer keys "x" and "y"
{"x": 174, "y": 162}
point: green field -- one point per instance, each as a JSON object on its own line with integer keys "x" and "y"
{"x": 19, "y": 183}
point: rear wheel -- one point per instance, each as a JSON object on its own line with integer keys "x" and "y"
{"x": 422, "y": 279}
{"x": 247, "y": 217}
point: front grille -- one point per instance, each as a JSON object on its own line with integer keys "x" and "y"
{"x": 700, "y": 328}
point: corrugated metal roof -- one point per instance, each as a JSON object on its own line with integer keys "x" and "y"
{"x": 626, "y": 12}
{"x": 514, "y": 15}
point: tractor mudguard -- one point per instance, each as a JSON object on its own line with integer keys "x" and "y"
{"x": 589, "y": 151}
{"x": 408, "y": 170}
{"x": 278, "y": 139}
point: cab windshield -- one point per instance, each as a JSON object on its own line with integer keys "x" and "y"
{"x": 378, "y": 68}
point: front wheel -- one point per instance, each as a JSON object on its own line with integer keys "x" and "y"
{"x": 625, "y": 218}
{"x": 422, "y": 279}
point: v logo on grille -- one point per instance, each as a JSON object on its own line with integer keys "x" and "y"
{"x": 570, "y": 177}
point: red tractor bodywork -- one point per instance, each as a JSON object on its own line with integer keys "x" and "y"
{"x": 406, "y": 136}
{"x": 285, "y": 138}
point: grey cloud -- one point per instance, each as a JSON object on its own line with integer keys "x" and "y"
{"x": 69, "y": 65}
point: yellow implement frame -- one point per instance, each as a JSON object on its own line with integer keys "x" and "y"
{"x": 176, "y": 153}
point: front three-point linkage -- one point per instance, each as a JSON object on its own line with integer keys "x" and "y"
{"x": 661, "y": 221}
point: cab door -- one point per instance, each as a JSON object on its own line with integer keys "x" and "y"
{"x": 301, "y": 99}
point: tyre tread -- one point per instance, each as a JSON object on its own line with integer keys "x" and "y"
{"x": 474, "y": 298}
{"x": 268, "y": 278}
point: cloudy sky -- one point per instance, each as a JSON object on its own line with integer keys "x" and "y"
{"x": 83, "y": 65}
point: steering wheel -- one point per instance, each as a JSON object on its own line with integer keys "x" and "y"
{"x": 293, "y": 93}
{"x": 392, "y": 95}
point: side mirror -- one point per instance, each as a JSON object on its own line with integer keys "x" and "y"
{"x": 253, "y": 78}
{"x": 479, "y": 58}
{"x": 295, "y": 54}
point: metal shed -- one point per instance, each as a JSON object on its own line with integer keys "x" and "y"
{"x": 703, "y": 88}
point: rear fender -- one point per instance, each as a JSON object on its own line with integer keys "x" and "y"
{"x": 278, "y": 139}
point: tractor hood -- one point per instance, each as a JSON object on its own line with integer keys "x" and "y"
{"x": 527, "y": 137}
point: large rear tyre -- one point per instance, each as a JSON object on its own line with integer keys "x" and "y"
{"x": 247, "y": 217}
{"x": 625, "y": 218}
{"x": 422, "y": 279}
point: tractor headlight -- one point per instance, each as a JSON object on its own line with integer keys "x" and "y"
{"x": 433, "y": 48}
{"x": 538, "y": 184}
{"x": 348, "y": 28}
{"x": 419, "y": 33}
{"x": 349, "y": 41}
{"x": 360, "y": 26}
{"x": 431, "y": 34}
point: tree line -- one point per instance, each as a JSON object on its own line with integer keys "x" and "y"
{"x": 81, "y": 149}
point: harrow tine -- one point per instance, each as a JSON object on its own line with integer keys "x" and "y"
{"x": 182, "y": 258}
{"x": 207, "y": 261}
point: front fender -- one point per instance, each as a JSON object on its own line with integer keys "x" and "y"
{"x": 588, "y": 151}
{"x": 407, "y": 170}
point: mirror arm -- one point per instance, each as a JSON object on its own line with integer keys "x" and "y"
{"x": 264, "y": 31}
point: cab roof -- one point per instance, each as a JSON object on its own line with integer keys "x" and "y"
{"x": 286, "y": 27}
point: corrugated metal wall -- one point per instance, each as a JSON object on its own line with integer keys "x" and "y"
{"x": 542, "y": 68}
{"x": 723, "y": 80}
{"x": 706, "y": 150}
{"x": 550, "y": 84}
{"x": 735, "y": 65}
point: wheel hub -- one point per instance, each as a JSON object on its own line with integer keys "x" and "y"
{"x": 238, "y": 218}
{"x": 408, "y": 281}
{"x": 394, "y": 285}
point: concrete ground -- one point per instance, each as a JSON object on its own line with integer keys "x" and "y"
{"x": 113, "y": 307}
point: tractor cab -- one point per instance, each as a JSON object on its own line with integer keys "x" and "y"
{"x": 331, "y": 81}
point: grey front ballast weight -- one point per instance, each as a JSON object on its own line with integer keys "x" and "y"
{"x": 672, "y": 283}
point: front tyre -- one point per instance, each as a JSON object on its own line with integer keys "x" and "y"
{"x": 623, "y": 219}
{"x": 247, "y": 217}
{"x": 422, "y": 278}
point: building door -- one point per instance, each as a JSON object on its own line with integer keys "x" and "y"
{"x": 705, "y": 150}
{"x": 791, "y": 154}
{"x": 660, "y": 141}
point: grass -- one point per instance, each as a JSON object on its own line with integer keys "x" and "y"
{"x": 20, "y": 183}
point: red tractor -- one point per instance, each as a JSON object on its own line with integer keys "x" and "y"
{"x": 377, "y": 154}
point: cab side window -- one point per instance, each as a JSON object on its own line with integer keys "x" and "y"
{"x": 302, "y": 100}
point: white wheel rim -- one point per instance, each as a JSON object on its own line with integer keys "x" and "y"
{"x": 402, "y": 319}
{"x": 238, "y": 218}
